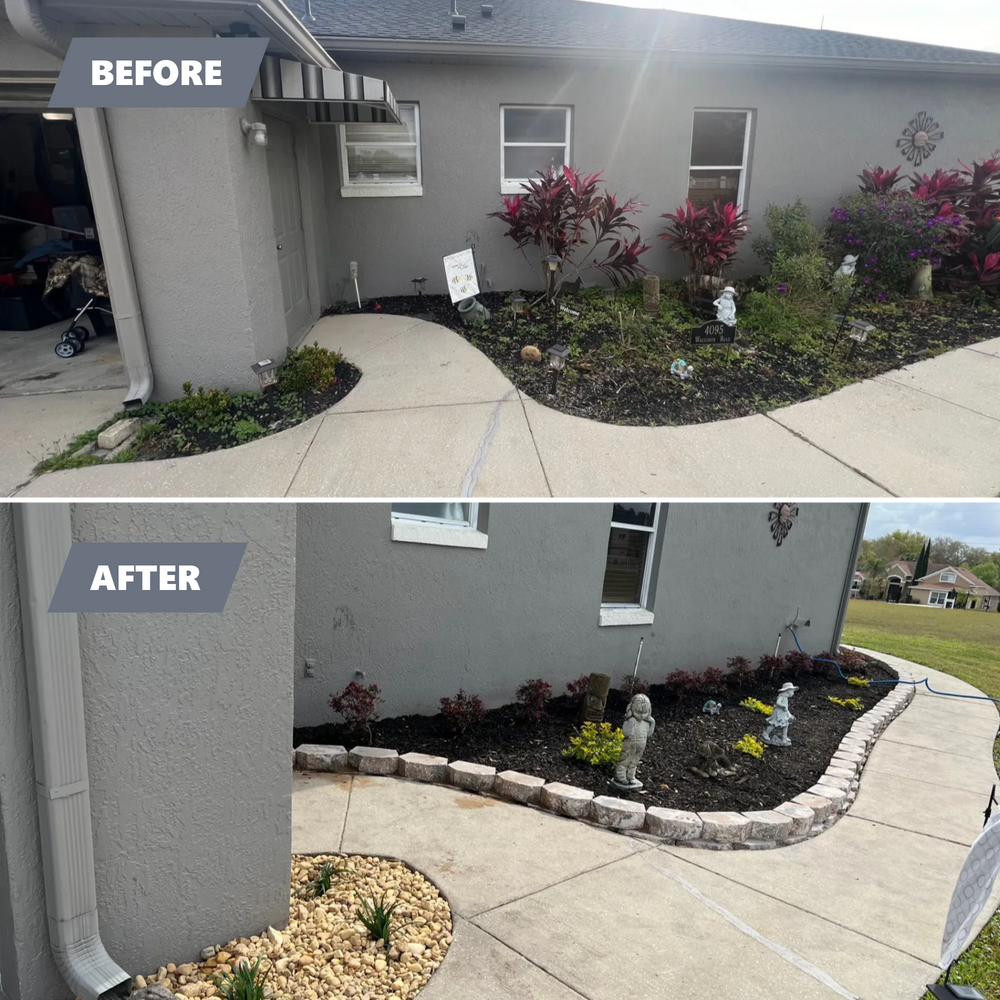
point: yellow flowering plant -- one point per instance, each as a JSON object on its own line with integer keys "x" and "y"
{"x": 756, "y": 706}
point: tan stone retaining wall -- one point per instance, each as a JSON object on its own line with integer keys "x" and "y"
{"x": 806, "y": 815}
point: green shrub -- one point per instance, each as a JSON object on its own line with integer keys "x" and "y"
{"x": 377, "y": 918}
{"x": 321, "y": 884}
{"x": 781, "y": 319}
{"x": 749, "y": 745}
{"x": 309, "y": 369}
{"x": 245, "y": 982}
{"x": 756, "y": 706}
{"x": 800, "y": 276}
{"x": 598, "y": 744}
{"x": 790, "y": 233}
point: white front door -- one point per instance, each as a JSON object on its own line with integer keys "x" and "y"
{"x": 288, "y": 237}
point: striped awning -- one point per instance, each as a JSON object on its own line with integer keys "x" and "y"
{"x": 331, "y": 96}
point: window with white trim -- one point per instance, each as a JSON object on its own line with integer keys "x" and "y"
{"x": 629, "y": 564}
{"x": 720, "y": 149}
{"x": 454, "y": 524}
{"x": 379, "y": 159}
{"x": 532, "y": 138}
{"x": 987, "y": 601}
{"x": 947, "y": 578}
{"x": 938, "y": 598}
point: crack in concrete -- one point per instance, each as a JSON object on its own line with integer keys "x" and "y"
{"x": 485, "y": 442}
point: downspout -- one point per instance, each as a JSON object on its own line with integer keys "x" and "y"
{"x": 55, "y": 698}
{"x": 28, "y": 22}
{"x": 859, "y": 534}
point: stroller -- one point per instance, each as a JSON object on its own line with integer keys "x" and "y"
{"x": 78, "y": 284}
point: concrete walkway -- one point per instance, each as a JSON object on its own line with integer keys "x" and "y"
{"x": 432, "y": 416}
{"x": 547, "y": 908}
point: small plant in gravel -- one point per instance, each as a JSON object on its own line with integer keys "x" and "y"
{"x": 245, "y": 982}
{"x": 462, "y": 710}
{"x": 630, "y": 685}
{"x": 323, "y": 881}
{"x": 598, "y": 744}
{"x": 577, "y": 690}
{"x": 854, "y": 704}
{"x": 749, "y": 745}
{"x": 681, "y": 682}
{"x": 739, "y": 671}
{"x": 533, "y": 696}
{"x": 358, "y": 705}
{"x": 377, "y": 916}
{"x": 756, "y": 705}
{"x": 858, "y": 682}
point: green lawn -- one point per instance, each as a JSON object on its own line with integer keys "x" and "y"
{"x": 965, "y": 644}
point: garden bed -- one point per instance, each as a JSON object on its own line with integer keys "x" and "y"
{"x": 619, "y": 368}
{"x": 507, "y": 740}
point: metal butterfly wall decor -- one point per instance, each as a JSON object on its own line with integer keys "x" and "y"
{"x": 781, "y": 519}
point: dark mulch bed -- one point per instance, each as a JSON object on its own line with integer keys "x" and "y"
{"x": 631, "y": 385}
{"x": 507, "y": 741}
{"x": 276, "y": 412}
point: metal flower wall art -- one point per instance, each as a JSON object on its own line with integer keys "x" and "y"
{"x": 781, "y": 519}
{"x": 920, "y": 138}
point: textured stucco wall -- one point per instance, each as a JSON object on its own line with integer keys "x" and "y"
{"x": 197, "y": 206}
{"x": 423, "y": 620}
{"x": 814, "y": 132}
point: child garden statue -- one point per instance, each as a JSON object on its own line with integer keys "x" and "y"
{"x": 848, "y": 265}
{"x": 725, "y": 306}
{"x": 637, "y": 727}
{"x": 776, "y": 731}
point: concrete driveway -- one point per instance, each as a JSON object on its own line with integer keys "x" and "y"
{"x": 432, "y": 416}
{"x": 547, "y": 908}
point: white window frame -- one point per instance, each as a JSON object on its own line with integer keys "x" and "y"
{"x": 634, "y": 614}
{"x": 948, "y": 578}
{"x": 937, "y": 604}
{"x": 426, "y": 530}
{"x": 987, "y": 601}
{"x": 742, "y": 189}
{"x": 398, "y": 189}
{"x": 516, "y": 185}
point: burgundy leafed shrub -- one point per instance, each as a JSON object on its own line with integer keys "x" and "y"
{"x": 877, "y": 180}
{"x": 851, "y": 662}
{"x": 630, "y": 685}
{"x": 462, "y": 710}
{"x": 534, "y": 696}
{"x": 740, "y": 671}
{"x": 707, "y": 237}
{"x": 799, "y": 664}
{"x": 577, "y": 690}
{"x": 681, "y": 682}
{"x": 569, "y": 214}
{"x": 771, "y": 668}
{"x": 711, "y": 680}
{"x": 357, "y": 704}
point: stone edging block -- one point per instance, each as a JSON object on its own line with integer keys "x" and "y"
{"x": 806, "y": 815}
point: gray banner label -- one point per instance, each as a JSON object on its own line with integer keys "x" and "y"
{"x": 158, "y": 72}
{"x": 148, "y": 576}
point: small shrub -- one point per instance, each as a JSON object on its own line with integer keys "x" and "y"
{"x": 245, "y": 982}
{"x": 707, "y": 237}
{"x": 749, "y": 745}
{"x": 781, "y": 320}
{"x": 323, "y": 881}
{"x": 790, "y": 233}
{"x": 630, "y": 686}
{"x": 711, "y": 681}
{"x": 771, "y": 668}
{"x": 358, "y": 705}
{"x": 799, "y": 663}
{"x": 858, "y": 682}
{"x": 851, "y": 661}
{"x": 598, "y": 744}
{"x": 462, "y": 710}
{"x": 534, "y": 696}
{"x": 308, "y": 369}
{"x": 756, "y": 706}
{"x": 854, "y": 704}
{"x": 740, "y": 670}
{"x": 577, "y": 690}
{"x": 377, "y": 918}
{"x": 247, "y": 430}
{"x": 681, "y": 682}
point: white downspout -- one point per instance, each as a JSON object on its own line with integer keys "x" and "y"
{"x": 55, "y": 696}
{"x": 28, "y": 22}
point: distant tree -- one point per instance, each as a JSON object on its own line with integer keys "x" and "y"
{"x": 922, "y": 561}
{"x": 988, "y": 572}
{"x": 873, "y": 564}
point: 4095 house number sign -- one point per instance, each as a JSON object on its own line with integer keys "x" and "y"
{"x": 714, "y": 332}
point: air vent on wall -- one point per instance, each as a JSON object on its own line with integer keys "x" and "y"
{"x": 487, "y": 9}
{"x": 457, "y": 20}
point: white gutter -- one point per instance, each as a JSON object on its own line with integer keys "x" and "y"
{"x": 27, "y": 20}
{"x": 55, "y": 697}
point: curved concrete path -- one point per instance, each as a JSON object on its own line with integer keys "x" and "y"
{"x": 547, "y": 908}
{"x": 432, "y": 416}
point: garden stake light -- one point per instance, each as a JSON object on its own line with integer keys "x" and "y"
{"x": 418, "y": 286}
{"x": 558, "y": 353}
{"x": 517, "y": 304}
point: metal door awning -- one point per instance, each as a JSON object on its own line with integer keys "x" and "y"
{"x": 330, "y": 95}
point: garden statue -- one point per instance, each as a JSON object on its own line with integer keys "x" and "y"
{"x": 725, "y": 306}
{"x": 711, "y": 762}
{"x": 921, "y": 285}
{"x": 776, "y": 731}
{"x": 637, "y": 727}
{"x": 711, "y": 707}
{"x": 598, "y": 686}
{"x": 681, "y": 369}
{"x": 847, "y": 265}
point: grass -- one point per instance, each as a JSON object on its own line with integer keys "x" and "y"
{"x": 963, "y": 644}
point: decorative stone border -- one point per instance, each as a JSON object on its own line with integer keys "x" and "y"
{"x": 806, "y": 815}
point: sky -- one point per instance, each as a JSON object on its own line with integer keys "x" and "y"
{"x": 964, "y": 24}
{"x": 975, "y": 523}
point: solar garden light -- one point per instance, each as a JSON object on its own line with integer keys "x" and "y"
{"x": 266, "y": 372}
{"x": 418, "y": 285}
{"x": 553, "y": 262}
{"x": 558, "y": 353}
{"x": 518, "y": 305}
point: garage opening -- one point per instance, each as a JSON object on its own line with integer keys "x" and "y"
{"x": 50, "y": 262}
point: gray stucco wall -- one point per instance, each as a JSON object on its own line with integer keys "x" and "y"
{"x": 422, "y": 620}
{"x": 189, "y": 737}
{"x": 814, "y": 132}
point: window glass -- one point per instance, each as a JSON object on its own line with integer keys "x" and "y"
{"x": 535, "y": 125}
{"x": 634, "y": 513}
{"x": 718, "y": 145}
{"x": 455, "y": 513}
{"x": 526, "y": 162}
{"x": 623, "y": 576}
{"x": 383, "y": 153}
{"x": 533, "y": 139}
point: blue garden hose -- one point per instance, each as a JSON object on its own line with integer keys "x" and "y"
{"x": 944, "y": 694}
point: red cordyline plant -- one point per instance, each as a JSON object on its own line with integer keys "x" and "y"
{"x": 877, "y": 180}
{"x": 707, "y": 237}
{"x": 566, "y": 213}
{"x": 358, "y": 705}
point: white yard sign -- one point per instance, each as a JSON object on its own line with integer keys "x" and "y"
{"x": 460, "y": 273}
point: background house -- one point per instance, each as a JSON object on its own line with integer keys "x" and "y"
{"x": 189, "y": 717}
{"x": 942, "y": 586}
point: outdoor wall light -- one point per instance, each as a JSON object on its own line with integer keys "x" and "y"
{"x": 58, "y": 116}
{"x": 266, "y": 372}
{"x": 256, "y": 130}
{"x": 418, "y": 285}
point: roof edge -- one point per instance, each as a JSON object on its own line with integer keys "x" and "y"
{"x": 485, "y": 50}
